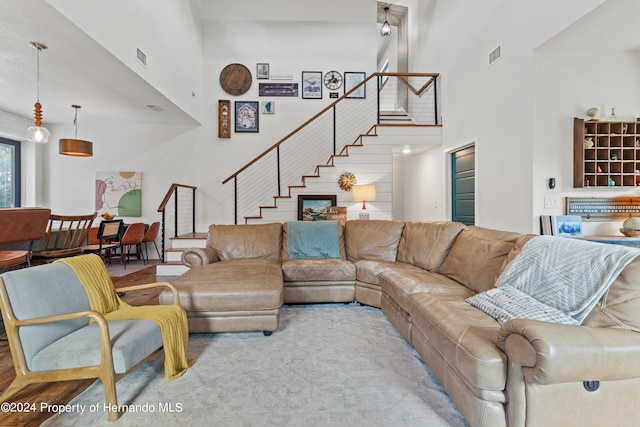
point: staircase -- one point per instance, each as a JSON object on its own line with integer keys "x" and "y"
{"x": 404, "y": 112}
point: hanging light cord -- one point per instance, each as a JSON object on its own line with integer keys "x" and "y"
{"x": 75, "y": 121}
{"x": 38, "y": 48}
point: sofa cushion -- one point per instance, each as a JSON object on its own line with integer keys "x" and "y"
{"x": 246, "y": 241}
{"x": 58, "y": 291}
{"x": 620, "y": 305}
{"x": 131, "y": 340}
{"x": 463, "y": 335}
{"x": 241, "y": 284}
{"x": 306, "y": 270}
{"x": 399, "y": 284}
{"x": 373, "y": 239}
{"x": 285, "y": 241}
{"x": 477, "y": 256}
{"x": 427, "y": 244}
{"x": 368, "y": 271}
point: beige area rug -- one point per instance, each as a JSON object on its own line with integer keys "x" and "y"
{"x": 328, "y": 365}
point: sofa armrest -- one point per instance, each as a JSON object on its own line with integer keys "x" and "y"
{"x": 171, "y": 286}
{"x": 551, "y": 353}
{"x": 195, "y": 257}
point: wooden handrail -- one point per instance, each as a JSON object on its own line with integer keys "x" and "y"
{"x": 164, "y": 202}
{"x": 330, "y": 106}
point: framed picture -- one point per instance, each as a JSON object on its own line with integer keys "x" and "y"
{"x": 351, "y": 80}
{"x": 246, "y": 117}
{"x": 262, "y": 71}
{"x": 311, "y": 85}
{"x": 314, "y": 208}
{"x": 268, "y": 107}
{"x": 278, "y": 89}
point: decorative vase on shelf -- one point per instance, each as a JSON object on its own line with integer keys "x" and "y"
{"x": 613, "y": 117}
{"x": 588, "y": 142}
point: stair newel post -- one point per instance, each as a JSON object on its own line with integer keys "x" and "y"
{"x": 175, "y": 212}
{"x": 193, "y": 211}
{"x": 235, "y": 199}
{"x": 378, "y": 99}
{"x": 435, "y": 100}
{"x": 278, "y": 167}
{"x": 334, "y": 131}
{"x": 162, "y": 233}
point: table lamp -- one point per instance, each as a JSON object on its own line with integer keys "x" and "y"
{"x": 365, "y": 193}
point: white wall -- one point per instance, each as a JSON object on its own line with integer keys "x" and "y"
{"x": 566, "y": 84}
{"x": 289, "y": 48}
{"x": 168, "y": 32}
{"x": 493, "y": 106}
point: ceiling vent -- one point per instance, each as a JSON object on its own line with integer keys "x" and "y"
{"x": 495, "y": 55}
{"x": 154, "y": 107}
{"x": 141, "y": 57}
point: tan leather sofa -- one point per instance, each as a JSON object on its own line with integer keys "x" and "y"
{"x": 524, "y": 372}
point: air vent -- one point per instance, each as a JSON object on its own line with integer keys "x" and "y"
{"x": 495, "y": 55}
{"x": 141, "y": 57}
{"x": 153, "y": 107}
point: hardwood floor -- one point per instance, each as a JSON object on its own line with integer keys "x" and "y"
{"x": 61, "y": 393}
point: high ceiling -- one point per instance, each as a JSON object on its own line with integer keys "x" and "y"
{"x": 73, "y": 70}
{"x": 77, "y": 70}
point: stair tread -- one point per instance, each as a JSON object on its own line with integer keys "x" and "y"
{"x": 187, "y": 236}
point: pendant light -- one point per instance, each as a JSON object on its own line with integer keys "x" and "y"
{"x": 37, "y": 133}
{"x": 385, "y": 31}
{"x": 76, "y": 147}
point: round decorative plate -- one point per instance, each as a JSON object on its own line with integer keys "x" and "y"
{"x": 235, "y": 79}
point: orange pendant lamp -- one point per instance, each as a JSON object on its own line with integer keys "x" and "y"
{"x": 74, "y": 146}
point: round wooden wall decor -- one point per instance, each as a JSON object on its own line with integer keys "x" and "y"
{"x": 235, "y": 79}
{"x": 347, "y": 180}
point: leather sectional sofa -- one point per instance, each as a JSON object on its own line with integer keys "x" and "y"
{"x": 521, "y": 372}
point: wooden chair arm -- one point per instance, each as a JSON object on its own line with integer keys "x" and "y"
{"x": 169, "y": 285}
{"x": 99, "y": 318}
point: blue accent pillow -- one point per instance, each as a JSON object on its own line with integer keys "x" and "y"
{"x": 313, "y": 239}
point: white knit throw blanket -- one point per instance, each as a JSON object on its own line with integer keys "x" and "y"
{"x": 567, "y": 274}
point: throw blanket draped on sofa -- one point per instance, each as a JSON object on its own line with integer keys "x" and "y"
{"x": 313, "y": 239}
{"x": 102, "y": 298}
{"x": 565, "y": 275}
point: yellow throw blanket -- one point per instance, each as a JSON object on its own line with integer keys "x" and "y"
{"x": 172, "y": 319}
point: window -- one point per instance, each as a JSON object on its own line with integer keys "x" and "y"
{"x": 9, "y": 173}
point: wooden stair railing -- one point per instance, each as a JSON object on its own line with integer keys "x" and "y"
{"x": 173, "y": 193}
{"x": 345, "y": 110}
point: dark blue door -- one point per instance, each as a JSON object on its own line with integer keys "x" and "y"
{"x": 463, "y": 172}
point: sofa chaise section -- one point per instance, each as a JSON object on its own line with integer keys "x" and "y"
{"x": 235, "y": 282}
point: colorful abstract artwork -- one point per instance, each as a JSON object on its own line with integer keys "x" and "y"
{"x": 119, "y": 193}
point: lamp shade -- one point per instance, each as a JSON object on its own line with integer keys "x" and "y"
{"x": 76, "y": 147}
{"x": 363, "y": 193}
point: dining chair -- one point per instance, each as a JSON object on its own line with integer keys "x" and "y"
{"x": 108, "y": 238}
{"x": 132, "y": 237}
{"x": 150, "y": 236}
{"x": 20, "y": 225}
{"x": 65, "y": 236}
